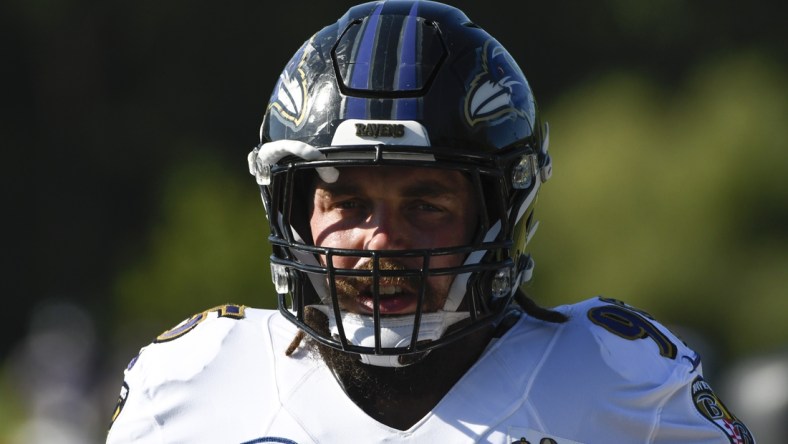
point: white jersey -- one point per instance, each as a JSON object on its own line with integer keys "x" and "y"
{"x": 609, "y": 374}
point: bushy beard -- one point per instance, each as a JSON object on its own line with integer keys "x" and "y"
{"x": 350, "y": 372}
{"x": 369, "y": 386}
{"x": 396, "y": 396}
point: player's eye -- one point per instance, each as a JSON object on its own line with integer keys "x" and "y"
{"x": 426, "y": 206}
{"x": 349, "y": 205}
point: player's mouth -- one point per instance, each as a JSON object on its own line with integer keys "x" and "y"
{"x": 394, "y": 299}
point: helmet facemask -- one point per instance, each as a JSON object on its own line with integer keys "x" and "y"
{"x": 306, "y": 278}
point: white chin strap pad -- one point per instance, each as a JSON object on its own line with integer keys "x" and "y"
{"x": 395, "y": 331}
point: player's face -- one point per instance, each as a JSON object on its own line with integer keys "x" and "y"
{"x": 394, "y": 208}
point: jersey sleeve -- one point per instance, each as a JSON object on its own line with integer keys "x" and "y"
{"x": 668, "y": 375}
{"x": 694, "y": 413}
{"x": 158, "y": 381}
{"x": 134, "y": 417}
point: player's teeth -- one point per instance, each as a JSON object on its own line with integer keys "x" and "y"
{"x": 390, "y": 289}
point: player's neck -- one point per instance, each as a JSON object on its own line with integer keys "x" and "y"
{"x": 400, "y": 397}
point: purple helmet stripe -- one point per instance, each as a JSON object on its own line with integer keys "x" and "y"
{"x": 356, "y": 108}
{"x": 406, "y": 108}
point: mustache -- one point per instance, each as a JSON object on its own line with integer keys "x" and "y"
{"x": 354, "y": 284}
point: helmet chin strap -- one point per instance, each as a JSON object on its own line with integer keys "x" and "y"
{"x": 395, "y": 331}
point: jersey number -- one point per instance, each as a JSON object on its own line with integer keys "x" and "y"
{"x": 224, "y": 311}
{"x": 622, "y": 321}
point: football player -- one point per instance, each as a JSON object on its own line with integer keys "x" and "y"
{"x": 400, "y": 158}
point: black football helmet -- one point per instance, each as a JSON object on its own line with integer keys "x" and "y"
{"x": 407, "y": 83}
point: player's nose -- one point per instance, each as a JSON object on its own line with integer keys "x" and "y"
{"x": 386, "y": 230}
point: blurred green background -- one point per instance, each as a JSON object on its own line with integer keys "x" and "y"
{"x": 129, "y": 206}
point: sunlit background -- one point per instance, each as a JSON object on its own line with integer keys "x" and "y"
{"x": 128, "y": 204}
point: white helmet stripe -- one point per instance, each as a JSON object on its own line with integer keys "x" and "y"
{"x": 457, "y": 289}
